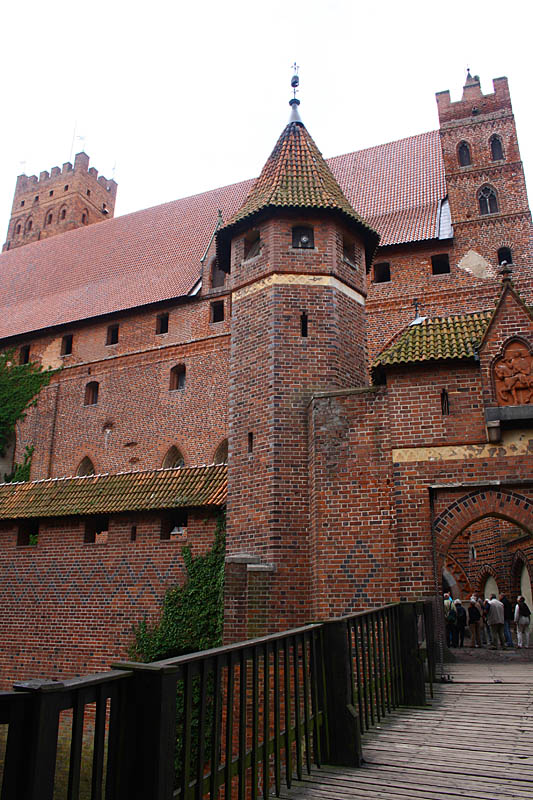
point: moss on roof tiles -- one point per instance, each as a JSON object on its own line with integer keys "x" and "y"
{"x": 437, "y": 339}
{"x": 106, "y": 494}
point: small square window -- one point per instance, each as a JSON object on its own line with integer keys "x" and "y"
{"x": 382, "y": 272}
{"x": 22, "y": 202}
{"x": 440, "y": 264}
{"x": 25, "y": 354}
{"x": 252, "y": 245}
{"x": 217, "y": 311}
{"x": 161, "y": 324}
{"x": 66, "y": 344}
{"x": 112, "y": 335}
{"x": 303, "y": 238}
{"x": 51, "y": 193}
{"x": 96, "y": 530}
{"x": 28, "y": 533}
{"x": 174, "y": 525}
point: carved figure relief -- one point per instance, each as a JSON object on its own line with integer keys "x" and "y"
{"x": 513, "y": 375}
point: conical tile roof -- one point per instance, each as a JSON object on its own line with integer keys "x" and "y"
{"x": 296, "y": 176}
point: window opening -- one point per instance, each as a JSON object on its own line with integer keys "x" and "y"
{"x": 218, "y": 276}
{"x": 252, "y": 244}
{"x": 85, "y": 467}
{"x": 30, "y": 225}
{"x": 496, "y": 148}
{"x": 96, "y": 530}
{"x": 348, "y": 251}
{"x": 112, "y": 335}
{"x": 51, "y": 193}
{"x": 91, "y": 393}
{"x": 174, "y": 525}
{"x": 464, "y": 155}
{"x": 488, "y": 202}
{"x": 217, "y": 311}
{"x": 28, "y": 533}
{"x": 49, "y": 219}
{"x": 440, "y": 264}
{"x": 303, "y": 324}
{"x": 88, "y": 192}
{"x": 303, "y": 237}
{"x": 445, "y": 403}
{"x": 24, "y": 354}
{"x": 173, "y": 458}
{"x": 22, "y": 203}
{"x": 17, "y": 229}
{"x": 177, "y": 378}
{"x": 250, "y": 442}
{"x": 84, "y": 218}
{"x": 36, "y": 198}
{"x": 66, "y": 344}
{"x": 133, "y": 533}
{"x": 66, "y": 188}
{"x": 221, "y": 455}
{"x": 382, "y": 272}
{"x": 161, "y": 324}
{"x": 505, "y": 254}
{"x": 63, "y": 213}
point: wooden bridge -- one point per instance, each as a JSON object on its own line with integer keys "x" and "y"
{"x": 332, "y": 710}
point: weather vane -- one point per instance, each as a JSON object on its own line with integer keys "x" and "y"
{"x": 295, "y": 80}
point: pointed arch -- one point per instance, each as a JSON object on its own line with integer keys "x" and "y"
{"x": 85, "y": 467}
{"x": 463, "y": 154}
{"x": 488, "y": 200}
{"x": 221, "y": 453}
{"x": 496, "y": 148}
{"x": 173, "y": 458}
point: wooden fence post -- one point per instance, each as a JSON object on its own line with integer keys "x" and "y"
{"x": 414, "y": 690}
{"x": 344, "y": 741}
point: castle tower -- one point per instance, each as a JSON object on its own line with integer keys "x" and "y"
{"x": 59, "y": 201}
{"x": 485, "y": 180}
{"x": 296, "y": 253}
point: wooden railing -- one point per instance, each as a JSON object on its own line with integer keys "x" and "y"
{"x": 234, "y": 722}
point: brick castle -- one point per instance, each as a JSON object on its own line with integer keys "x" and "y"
{"x": 337, "y": 352}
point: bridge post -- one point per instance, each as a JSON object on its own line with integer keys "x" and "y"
{"x": 413, "y": 682}
{"x": 344, "y": 739}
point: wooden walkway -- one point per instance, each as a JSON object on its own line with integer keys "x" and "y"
{"x": 475, "y": 741}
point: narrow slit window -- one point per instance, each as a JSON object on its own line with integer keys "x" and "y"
{"x": 133, "y": 533}
{"x": 91, "y": 393}
{"x": 217, "y": 311}
{"x": 17, "y": 229}
{"x": 304, "y": 322}
{"x": 440, "y": 264}
{"x": 382, "y": 272}
{"x": 161, "y": 324}
{"x": 30, "y": 225}
{"x": 51, "y": 193}
{"x": 250, "y": 442}
{"x": 177, "y": 378}
{"x": 24, "y": 355}
{"x": 112, "y": 335}
{"x": 445, "y": 403}
{"x": 49, "y": 219}
{"x": 66, "y": 344}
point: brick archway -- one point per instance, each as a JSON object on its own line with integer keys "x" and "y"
{"x": 469, "y": 508}
{"x": 482, "y": 575}
{"x": 519, "y": 560}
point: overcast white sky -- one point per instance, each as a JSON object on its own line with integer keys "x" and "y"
{"x": 176, "y": 98}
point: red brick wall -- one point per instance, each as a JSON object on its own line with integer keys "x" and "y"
{"x": 68, "y": 608}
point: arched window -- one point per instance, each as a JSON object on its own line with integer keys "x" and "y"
{"x": 84, "y": 217}
{"x": 18, "y": 228}
{"x": 488, "y": 201}
{"x": 48, "y": 220}
{"x": 91, "y": 393}
{"x": 463, "y": 154}
{"x": 85, "y": 467}
{"x": 173, "y": 458}
{"x": 505, "y": 254}
{"x": 177, "y": 378}
{"x": 496, "y": 148}
{"x": 63, "y": 213}
{"x": 29, "y": 225}
{"x": 221, "y": 455}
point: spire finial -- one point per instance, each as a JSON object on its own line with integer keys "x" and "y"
{"x": 294, "y": 102}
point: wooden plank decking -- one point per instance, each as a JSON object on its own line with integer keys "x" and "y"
{"x": 475, "y": 741}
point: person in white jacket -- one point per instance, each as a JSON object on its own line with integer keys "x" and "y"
{"x": 522, "y": 617}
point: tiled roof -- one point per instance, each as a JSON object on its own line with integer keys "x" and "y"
{"x": 296, "y": 176}
{"x": 106, "y": 494}
{"x": 436, "y": 339}
{"x": 154, "y": 255}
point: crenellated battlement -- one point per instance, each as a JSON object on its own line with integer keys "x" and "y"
{"x": 473, "y": 102}
{"x": 65, "y": 198}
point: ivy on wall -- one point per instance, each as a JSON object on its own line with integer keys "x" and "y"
{"x": 21, "y": 472}
{"x": 19, "y": 386}
{"x": 192, "y": 614}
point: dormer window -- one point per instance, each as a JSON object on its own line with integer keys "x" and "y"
{"x": 303, "y": 238}
{"x": 463, "y": 155}
{"x": 252, "y": 245}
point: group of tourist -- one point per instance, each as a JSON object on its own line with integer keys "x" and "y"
{"x": 489, "y": 621}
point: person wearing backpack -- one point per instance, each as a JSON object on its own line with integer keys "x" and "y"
{"x": 450, "y": 618}
{"x": 522, "y": 617}
{"x": 460, "y": 623}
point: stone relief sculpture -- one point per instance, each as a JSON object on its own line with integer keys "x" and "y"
{"x": 513, "y": 375}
